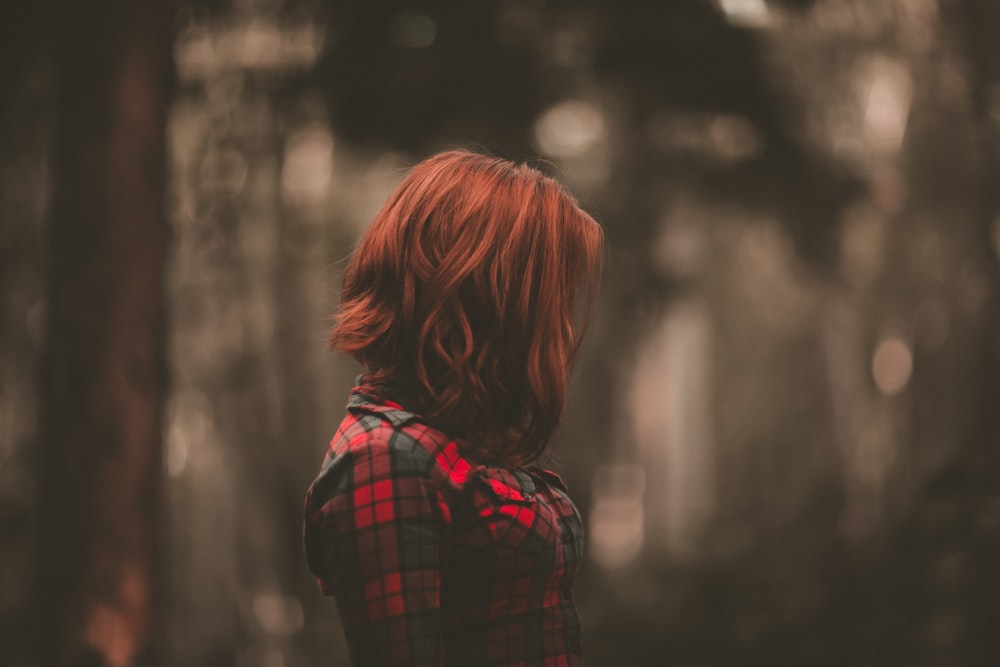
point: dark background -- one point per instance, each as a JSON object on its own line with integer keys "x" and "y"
{"x": 783, "y": 431}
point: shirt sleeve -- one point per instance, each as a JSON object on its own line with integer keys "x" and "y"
{"x": 373, "y": 530}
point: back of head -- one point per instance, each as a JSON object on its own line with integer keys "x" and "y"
{"x": 472, "y": 286}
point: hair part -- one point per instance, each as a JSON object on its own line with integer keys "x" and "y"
{"x": 472, "y": 286}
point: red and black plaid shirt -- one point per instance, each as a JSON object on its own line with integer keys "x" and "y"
{"x": 435, "y": 560}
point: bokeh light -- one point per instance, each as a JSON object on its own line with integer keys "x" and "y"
{"x": 570, "y": 129}
{"x": 308, "y": 166}
{"x": 892, "y": 364}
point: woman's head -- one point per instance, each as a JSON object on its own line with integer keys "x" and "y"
{"x": 472, "y": 286}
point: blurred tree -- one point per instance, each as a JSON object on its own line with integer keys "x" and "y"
{"x": 103, "y": 372}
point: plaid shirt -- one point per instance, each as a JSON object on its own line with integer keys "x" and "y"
{"x": 434, "y": 559}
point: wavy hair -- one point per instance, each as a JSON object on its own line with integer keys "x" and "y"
{"x": 472, "y": 288}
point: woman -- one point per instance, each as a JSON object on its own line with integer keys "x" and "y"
{"x": 440, "y": 540}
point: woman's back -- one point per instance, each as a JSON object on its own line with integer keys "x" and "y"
{"x": 435, "y": 559}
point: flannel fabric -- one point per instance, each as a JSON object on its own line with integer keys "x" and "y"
{"x": 435, "y": 559}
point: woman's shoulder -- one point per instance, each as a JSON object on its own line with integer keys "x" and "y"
{"x": 377, "y": 428}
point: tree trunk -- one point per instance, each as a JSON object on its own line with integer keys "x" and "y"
{"x": 103, "y": 371}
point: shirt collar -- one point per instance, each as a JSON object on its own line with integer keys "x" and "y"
{"x": 369, "y": 397}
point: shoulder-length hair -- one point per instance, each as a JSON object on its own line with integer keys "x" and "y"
{"x": 472, "y": 286}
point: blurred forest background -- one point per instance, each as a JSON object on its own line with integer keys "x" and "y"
{"x": 783, "y": 432}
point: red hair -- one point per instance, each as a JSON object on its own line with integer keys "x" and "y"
{"x": 472, "y": 287}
